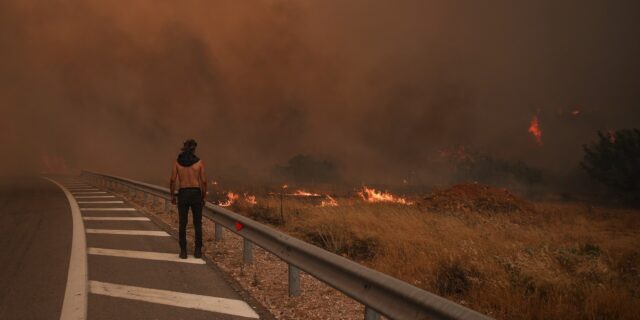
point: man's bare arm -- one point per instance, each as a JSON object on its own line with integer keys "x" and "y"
{"x": 172, "y": 183}
{"x": 203, "y": 182}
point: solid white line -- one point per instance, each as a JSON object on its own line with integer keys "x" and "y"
{"x": 94, "y": 197}
{"x": 83, "y": 189}
{"x": 107, "y": 209}
{"x": 176, "y": 299}
{"x": 102, "y": 202}
{"x": 89, "y": 192}
{"x": 159, "y": 256}
{"x": 129, "y": 232}
{"x": 116, "y": 219}
{"x": 74, "y": 305}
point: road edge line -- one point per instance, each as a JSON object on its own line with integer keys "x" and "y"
{"x": 74, "y": 306}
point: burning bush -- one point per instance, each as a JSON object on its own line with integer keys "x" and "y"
{"x": 614, "y": 160}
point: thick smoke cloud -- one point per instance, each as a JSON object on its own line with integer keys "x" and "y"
{"x": 379, "y": 87}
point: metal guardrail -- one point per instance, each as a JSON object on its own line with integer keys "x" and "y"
{"x": 378, "y": 292}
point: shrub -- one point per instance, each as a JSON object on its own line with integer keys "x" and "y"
{"x": 452, "y": 278}
{"x": 614, "y": 160}
{"x": 489, "y": 170}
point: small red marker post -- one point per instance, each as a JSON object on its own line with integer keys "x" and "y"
{"x": 239, "y": 226}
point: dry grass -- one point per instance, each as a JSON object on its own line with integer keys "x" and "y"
{"x": 556, "y": 261}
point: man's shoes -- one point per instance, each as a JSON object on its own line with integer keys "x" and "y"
{"x": 197, "y": 253}
{"x": 183, "y": 253}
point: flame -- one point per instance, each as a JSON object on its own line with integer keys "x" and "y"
{"x": 534, "y": 129}
{"x": 373, "y": 195}
{"x": 330, "y": 202}
{"x": 231, "y": 199}
{"x": 250, "y": 199}
{"x": 302, "y": 193}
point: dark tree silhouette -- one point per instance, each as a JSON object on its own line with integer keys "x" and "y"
{"x": 306, "y": 169}
{"x": 614, "y": 160}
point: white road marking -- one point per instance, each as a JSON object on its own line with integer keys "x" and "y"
{"x": 116, "y": 219}
{"x": 94, "y": 197}
{"x": 176, "y": 299}
{"x": 101, "y": 202}
{"x": 129, "y": 232}
{"x": 83, "y": 189}
{"x": 89, "y": 192}
{"x": 159, "y": 256}
{"x": 74, "y": 305}
{"x": 107, "y": 209}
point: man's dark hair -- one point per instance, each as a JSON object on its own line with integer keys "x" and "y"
{"x": 190, "y": 146}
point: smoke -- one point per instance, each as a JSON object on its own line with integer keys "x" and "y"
{"x": 377, "y": 87}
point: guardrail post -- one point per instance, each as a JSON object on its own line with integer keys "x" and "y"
{"x": 370, "y": 314}
{"x": 167, "y": 204}
{"x": 218, "y": 232}
{"x": 154, "y": 201}
{"x": 247, "y": 254}
{"x": 144, "y": 198}
{"x": 294, "y": 281}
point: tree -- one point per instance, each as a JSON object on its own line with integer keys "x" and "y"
{"x": 306, "y": 169}
{"x": 614, "y": 160}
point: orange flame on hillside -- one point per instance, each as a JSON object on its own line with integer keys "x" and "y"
{"x": 330, "y": 202}
{"x": 250, "y": 199}
{"x": 534, "y": 129}
{"x": 373, "y": 195}
{"x": 231, "y": 199}
{"x": 302, "y": 193}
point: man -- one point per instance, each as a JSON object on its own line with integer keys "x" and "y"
{"x": 189, "y": 170}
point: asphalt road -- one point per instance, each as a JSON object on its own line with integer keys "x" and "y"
{"x": 35, "y": 239}
{"x": 133, "y": 270}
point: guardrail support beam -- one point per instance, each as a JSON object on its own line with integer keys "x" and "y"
{"x": 294, "y": 281}
{"x": 218, "y": 232}
{"x": 247, "y": 254}
{"x": 370, "y": 314}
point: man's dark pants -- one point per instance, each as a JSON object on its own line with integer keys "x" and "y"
{"x": 190, "y": 198}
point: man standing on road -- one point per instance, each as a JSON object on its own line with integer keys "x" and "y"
{"x": 189, "y": 170}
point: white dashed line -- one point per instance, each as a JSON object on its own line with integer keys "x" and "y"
{"x": 129, "y": 232}
{"x": 158, "y": 256}
{"x": 176, "y": 299}
{"x": 107, "y": 209}
{"x": 94, "y": 197}
{"x": 101, "y": 202}
{"x": 116, "y": 219}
